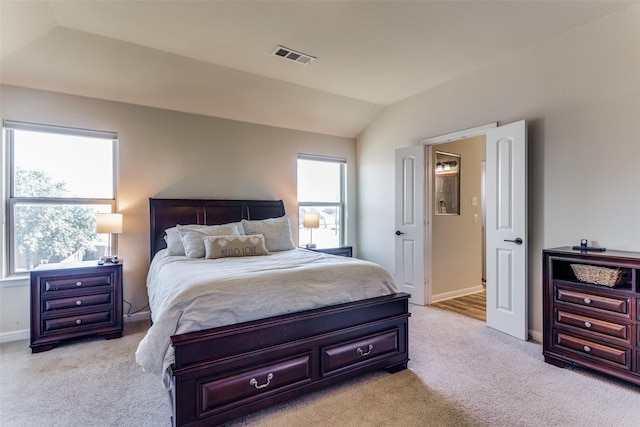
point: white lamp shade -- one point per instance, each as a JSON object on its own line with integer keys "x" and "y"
{"x": 311, "y": 220}
{"x": 109, "y": 223}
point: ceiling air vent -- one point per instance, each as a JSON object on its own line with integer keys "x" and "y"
{"x": 292, "y": 55}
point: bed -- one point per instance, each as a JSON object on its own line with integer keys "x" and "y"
{"x": 259, "y": 357}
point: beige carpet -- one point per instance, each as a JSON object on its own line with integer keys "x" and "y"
{"x": 461, "y": 374}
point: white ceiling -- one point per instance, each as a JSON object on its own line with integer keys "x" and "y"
{"x": 214, "y": 57}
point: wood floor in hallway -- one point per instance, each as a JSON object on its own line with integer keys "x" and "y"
{"x": 473, "y": 305}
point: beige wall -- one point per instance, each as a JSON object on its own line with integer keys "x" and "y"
{"x": 456, "y": 244}
{"x": 174, "y": 155}
{"x": 580, "y": 94}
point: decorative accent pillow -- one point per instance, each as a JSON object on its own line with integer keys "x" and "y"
{"x": 276, "y": 231}
{"x": 192, "y": 238}
{"x": 234, "y": 246}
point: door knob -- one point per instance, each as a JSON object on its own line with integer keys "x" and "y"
{"x": 398, "y": 233}
{"x": 517, "y": 241}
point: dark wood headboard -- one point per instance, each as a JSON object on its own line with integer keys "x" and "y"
{"x": 167, "y": 213}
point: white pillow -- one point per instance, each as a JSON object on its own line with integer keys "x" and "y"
{"x": 240, "y": 228}
{"x": 192, "y": 238}
{"x": 234, "y": 246}
{"x": 174, "y": 239}
{"x": 276, "y": 231}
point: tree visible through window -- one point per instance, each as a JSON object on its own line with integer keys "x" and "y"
{"x": 59, "y": 178}
{"x": 321, "y": 188}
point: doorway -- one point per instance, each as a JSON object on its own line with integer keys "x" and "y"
{"x": 457, "y": 225}
{"x": 505, "y": 225}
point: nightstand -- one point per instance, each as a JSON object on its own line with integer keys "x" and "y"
{"x": 71, "y": 300}
{"x": 341, "y": 251}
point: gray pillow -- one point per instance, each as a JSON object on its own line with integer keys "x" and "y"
{"x": 192, "y": 238}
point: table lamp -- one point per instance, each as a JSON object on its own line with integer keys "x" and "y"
{"x": 109, "y": 223}
{"x": 311, "y": 221}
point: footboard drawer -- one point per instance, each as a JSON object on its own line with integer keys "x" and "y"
{"x": 228, "y": 372}
{"x": 355, "y": 352}
{"x": 251, "y": 383}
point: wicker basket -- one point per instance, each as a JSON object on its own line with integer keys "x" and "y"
{"x": 598, "y": 275}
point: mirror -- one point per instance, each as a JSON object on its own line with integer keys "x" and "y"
{"x": 447, "y": 183}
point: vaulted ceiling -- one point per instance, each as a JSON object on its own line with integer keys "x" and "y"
{"x": 215, "y": 57}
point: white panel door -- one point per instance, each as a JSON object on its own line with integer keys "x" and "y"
{"x": 506, "y": 229}
{"x": 410, "y": 223}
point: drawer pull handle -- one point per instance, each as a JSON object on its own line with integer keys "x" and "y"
{"x": 78, "y": 302}
{"x": 78, "y": 283}
{"x": 587, "y": 300}
{"x": 587, "y": 324}
{"x": 362, "y": 353}
{"x": 254, "y": 382}
{"x": 78, "y": 322}
{"x": 587, "y": 348}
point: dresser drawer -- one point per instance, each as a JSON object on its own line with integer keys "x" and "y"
{"x": 615, "y": 330}
{"x": 618, "y": 305}
{"x": 256, "y": 382}
{"x": 610, "y": 355}
{"x": 80, "y": 282}
{"x": 75, "y": 302}
{"x": 359, "y": 351}
{"x": 78, "y": 322}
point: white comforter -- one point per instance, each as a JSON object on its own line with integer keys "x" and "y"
{"x": 188, "y": 295}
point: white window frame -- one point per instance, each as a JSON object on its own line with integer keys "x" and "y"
{"x": 342, "y": 205}
{"x": 9, "y": 200}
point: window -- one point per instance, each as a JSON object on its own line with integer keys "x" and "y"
{"x": 321, "y": 191}
{"x": 57, "y": 180}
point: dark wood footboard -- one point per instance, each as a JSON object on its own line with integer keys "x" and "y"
{"x": 224, "y": 373}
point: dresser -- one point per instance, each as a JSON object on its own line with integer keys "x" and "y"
{"x": 71, "y": 300}
{"x": 593, "y": 325}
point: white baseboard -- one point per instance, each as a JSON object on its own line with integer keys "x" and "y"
{"x": 536, "y": 336}
{"x": 456, "y": 294}
{"x": 23, "y": 334}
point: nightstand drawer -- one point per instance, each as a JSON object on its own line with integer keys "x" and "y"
{"x": 346, "y": 251}
{"x": 81, "y": 282}
{"x": 80, "y": 301}
{"x": 92, "y": 319}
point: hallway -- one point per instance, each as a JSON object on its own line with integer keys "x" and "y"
{"x": 473, "y": 305}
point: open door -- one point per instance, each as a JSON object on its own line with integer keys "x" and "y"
{"x": 506, "y": 229}
{"x": 410, "y": 222}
